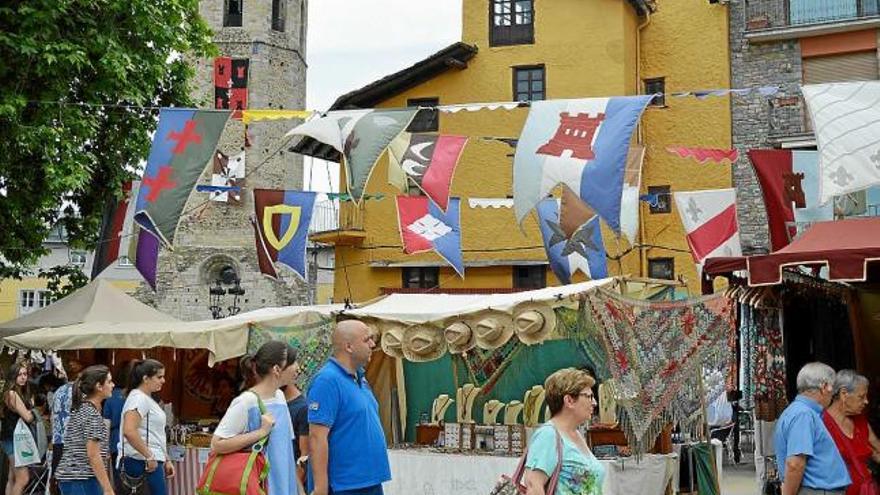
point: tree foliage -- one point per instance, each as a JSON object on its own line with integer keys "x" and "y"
{"x": 63, "y": 280}
{"x": 63, "y": 151}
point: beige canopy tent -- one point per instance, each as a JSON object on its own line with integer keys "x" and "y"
{"x": 224, "y": 339}
{"x": 99, "y": 301}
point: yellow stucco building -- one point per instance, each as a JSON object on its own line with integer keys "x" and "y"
{"x": 515, "y": 50}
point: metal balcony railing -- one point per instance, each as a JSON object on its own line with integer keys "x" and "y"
{"x": 329, "y": 216}
{"x": 769, "y": 14}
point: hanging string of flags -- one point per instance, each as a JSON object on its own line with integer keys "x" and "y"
{"x": 582, "y": 145}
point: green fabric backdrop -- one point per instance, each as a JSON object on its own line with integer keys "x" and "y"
{"x": 529, "y": 366}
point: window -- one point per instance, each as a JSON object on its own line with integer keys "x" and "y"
{"x": 32, "y": 300}
{"x": 426, "y": 120}
{"x": 859, "y": 66}
{"x": 124, "y": 261}
{"x": 511, "y": 22}
{"x": 663, "y": 268}
{"x": 278, "y": 17}
{"x": 78, "y": 258}
{"x": 656, "y": 86}
{"x": 421, "y": 277}
{"x": 232, "y": 13}
{"x": 528, "y": 83}
{"x": 663, "y": 204}
{"x": 530, "y": 277}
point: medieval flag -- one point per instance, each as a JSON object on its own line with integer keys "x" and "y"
{"x": 581, "y": 143}
{"x": 709, "y": 219}
{"x": 227, "y": 180}
{"x": 360, "y": 135}
{"x": 230, "y": 84}
{"x": 115, "y": 213}
{"x": 584, "y": 250}
{"x": 184, "y": 142}
{"x": 146, "y": 254}
{"x": 846, "y": 120}
{"x": 281, "y": 224}
{"x": 428, "y": 160}
{"x": 425, "y": 227}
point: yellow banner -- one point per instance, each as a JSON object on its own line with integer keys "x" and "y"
{"x": 248, "y": 116}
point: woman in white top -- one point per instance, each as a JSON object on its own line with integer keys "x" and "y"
{"x": 243, "y": 425}
{"x": 143, "y": 446}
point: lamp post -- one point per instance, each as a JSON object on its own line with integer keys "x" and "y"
{"x": 217, "y": 293}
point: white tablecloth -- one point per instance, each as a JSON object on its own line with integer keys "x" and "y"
{"x": 415, "y": 472}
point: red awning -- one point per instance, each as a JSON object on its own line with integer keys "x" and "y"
{"x": 844, "y": 246}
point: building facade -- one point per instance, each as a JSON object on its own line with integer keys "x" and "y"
{"x": 787, "y": 43}
{"x": 265, "y": 41}
{"x": 527, "y": 50}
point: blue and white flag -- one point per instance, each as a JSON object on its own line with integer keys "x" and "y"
{"x": 581, "y": 143}
{"x": 585, "y": 251}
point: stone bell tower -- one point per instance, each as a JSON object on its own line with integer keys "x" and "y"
{"x": 261, "y": 65}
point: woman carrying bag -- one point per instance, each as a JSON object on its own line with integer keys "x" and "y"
{"x": 256, "y": 421}
{"x": 83, "y": 468}
{"x": 143, "y": 447}
{"x": 569, "y": 396}
{"x": 16, "y": 405}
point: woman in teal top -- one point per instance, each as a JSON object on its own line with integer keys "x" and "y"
{"x": 569, "y": 396}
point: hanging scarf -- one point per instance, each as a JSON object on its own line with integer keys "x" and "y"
{"x": 770, "y": 386}
{"x": 486, "y": 366}
{"x": 655, "y": 349}
{"x": 579, "y": 327}
{"x": 312, "y": 342}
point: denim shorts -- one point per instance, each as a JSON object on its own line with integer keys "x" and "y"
{"x": 88, "y": 486}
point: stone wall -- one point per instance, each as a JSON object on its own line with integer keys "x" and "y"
{"x": 758, "y": 120}
{"x": 212, "y": 235}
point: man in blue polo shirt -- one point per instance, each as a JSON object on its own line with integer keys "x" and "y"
{"x": 347, "y": 452}
{"x": 808, "y": 460}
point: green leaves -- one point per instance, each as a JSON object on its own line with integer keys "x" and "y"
{"x": 63, "y": 153}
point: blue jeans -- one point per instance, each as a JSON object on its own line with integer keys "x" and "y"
{"x": 88, "y": 486}
{"x": 155, "y": 480}
{"x": 370, "y": 490}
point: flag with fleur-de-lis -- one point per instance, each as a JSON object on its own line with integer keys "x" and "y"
{"x": 709, "y": 219}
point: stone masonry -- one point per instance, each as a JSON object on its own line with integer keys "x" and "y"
{"x": 214, "y": 235}
{"x": 760, "y": 121}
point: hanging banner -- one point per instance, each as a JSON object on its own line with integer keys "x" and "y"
{"x": 425, "y": 227}
{"x": 281, "y": 224}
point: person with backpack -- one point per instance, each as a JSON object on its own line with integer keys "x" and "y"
{"x": 261, "y": 411}
{"x": 83, "y": 469}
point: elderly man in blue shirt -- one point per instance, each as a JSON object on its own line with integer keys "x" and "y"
{"x": 347, "y": 452}
{"x": 808, "y": 460}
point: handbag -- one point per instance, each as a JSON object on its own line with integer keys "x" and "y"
{"x": 129, "y": 483}
{"x": 237, "y": 473}
{"x": 25, "y": 448}
{"x": 512, "y": 485}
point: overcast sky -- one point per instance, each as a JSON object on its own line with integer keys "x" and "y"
{"x": 352, "y": 43}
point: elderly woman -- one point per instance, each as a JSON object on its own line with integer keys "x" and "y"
{"x": 850, "y": 429}
{"x": 569, "y": 395}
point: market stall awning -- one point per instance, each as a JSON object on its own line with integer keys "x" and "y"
{"x": 224, "y": 339}
{"x": 844, "y": 246}
{"x": 99, "y": 301}
{"x": 426, "y": 308}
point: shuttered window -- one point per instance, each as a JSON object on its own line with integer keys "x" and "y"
{"x": 861, "y": 66}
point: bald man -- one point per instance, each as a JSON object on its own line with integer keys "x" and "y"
{"x": 347, "y": 453}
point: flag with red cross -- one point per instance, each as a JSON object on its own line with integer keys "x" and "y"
{"x": 182, "y": 146}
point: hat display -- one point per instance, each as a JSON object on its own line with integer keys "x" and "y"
{"x": 376, "y": 333}
{"x": 392, "y": 339}
{"x": 459, "y": 337}
{"x": 423, "y": 343}
{"x": 492, "y": 328}
{"x": 533, "y": 322}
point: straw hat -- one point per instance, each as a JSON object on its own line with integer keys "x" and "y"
{"x": 492, "y": 328}
{"x": 392, "y": 339}
{"x": 533, "y": 322}
{"x": 376, "y": 333}
{"x": 423, "y": 343}
{"x": 459, "y": 336}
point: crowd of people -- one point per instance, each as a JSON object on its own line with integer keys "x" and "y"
{"x": 108, "y": 431}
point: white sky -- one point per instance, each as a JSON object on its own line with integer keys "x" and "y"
{"x": 352, "y": 43}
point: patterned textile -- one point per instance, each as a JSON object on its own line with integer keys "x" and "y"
{"x": 579, "y": 327}
{"x": 312, "y": 340}
{"x": 748, "y": 342}
{"x": 770, "y": 386}
{"x": 485, "y": 367}
{"x": 654, "y": 349}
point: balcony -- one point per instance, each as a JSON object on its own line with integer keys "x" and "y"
{"x": 788, "y": 15}
{"x": 337, "y": 223}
